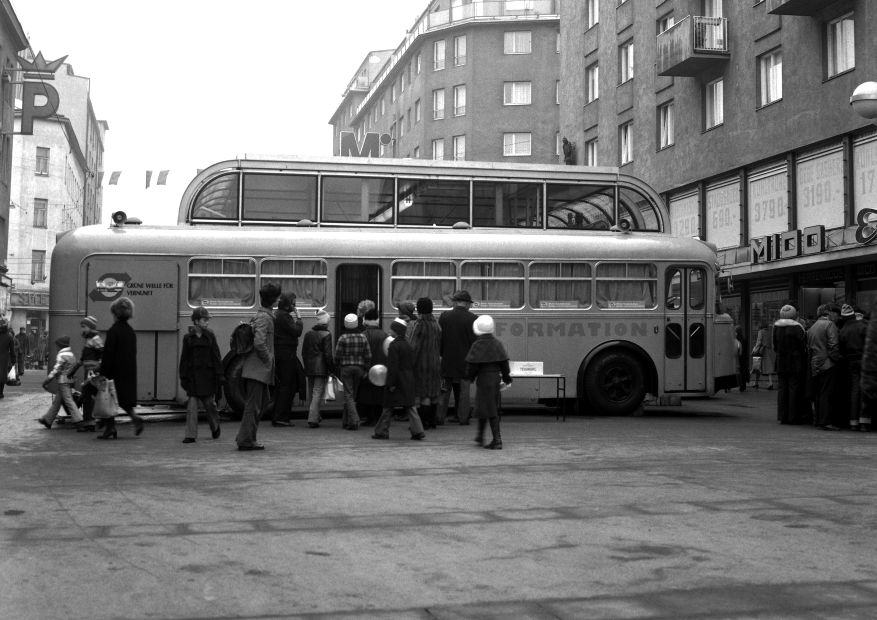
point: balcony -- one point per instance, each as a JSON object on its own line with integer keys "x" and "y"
{"x": 692, "y": 46}
{"x": 807, "y": 8}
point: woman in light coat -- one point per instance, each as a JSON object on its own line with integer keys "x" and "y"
{"x": 764, "y": 349}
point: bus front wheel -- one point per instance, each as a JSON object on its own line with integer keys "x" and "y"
{"x": 236, "y": 389}
{"x": 615, "y": 383}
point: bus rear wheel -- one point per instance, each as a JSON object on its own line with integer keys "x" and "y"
{"x": 236, "y": 389}
{"x": 615, "y": 383}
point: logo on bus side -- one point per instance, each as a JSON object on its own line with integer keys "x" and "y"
{"x": 109, "y": 287}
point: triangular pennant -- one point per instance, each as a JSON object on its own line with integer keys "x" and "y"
{"x": 114, "y": 177}
{"x": 148, "y": 178}
{"x": 162, "y": 177}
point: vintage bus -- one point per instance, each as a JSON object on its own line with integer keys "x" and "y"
{"x": 576, "y": 266}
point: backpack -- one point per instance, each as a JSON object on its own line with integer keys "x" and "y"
{"x": 242, "y": 338}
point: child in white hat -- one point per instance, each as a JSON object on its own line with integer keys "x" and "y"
{"x": 353, "y": 355}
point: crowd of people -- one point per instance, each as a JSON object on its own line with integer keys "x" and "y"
{"x": 826, "y": 369}
{"x": 416, "y": 367}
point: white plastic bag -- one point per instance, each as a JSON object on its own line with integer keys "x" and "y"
{"x": 332, "y": 386}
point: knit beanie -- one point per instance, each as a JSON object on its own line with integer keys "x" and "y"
{"x": 483, "y": 325}
{"x": 406, "y": 311}
{"x": 89, "y": 322}
{"x": 847, "y": 310}
{"x": 63, "y": 342}
{"x": 424, "y": 305}
{"x": 322, "y": 317}
{"x": 351, "y": 321}
{"x": 399, "y": 326}
{"x": 788, "y": 312}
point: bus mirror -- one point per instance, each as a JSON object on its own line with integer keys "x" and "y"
{"x": 119, "y": 218}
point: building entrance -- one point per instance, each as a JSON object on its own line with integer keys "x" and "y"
{"x": 811, "y": 297}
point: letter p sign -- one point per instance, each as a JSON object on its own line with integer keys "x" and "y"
{"x": 30, "y": 110}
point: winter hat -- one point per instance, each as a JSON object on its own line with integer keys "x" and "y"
{"x": 483, "y": 325}
{"x": 370, "y": 317}
{"x": 351, "y": 321}
{"x": 63, "y": 342}
{"x": 462, "y": 296}
{"x": 200, "y": 313}
{"x": 406, "y": 311}
{"x": 399, "y": 326}
{"x": 322, "y": 317}
{"x": 424, "y": 305}
{"x": 364, "y": 306}
{"x": 89, "y": 322}
{"x": 788, "y": 312}
{"x": 847, "y": 310}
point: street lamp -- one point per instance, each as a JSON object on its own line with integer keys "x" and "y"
{"x": 864, "y": 100}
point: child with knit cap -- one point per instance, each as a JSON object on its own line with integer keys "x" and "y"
{"x": 487, "y": 360}
{"x": 92, "y": 353}
{"x": 64, "y": 362}
{"x": 399, "y": 388}
{"x": 319, "y": 363}
{"x": 353, "y": 356}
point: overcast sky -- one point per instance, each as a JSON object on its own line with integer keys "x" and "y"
{"x": 184, "y": 84}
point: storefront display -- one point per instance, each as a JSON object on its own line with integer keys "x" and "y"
{"x": 723, "y": 213}
{"x": 685, "y": 215}
{"x": 820, "y": 188}
{"x": 767, "y": 208}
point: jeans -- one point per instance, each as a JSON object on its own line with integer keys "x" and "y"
{"x": 257, "y": 402}
{"x": 192, "y": 415}
{"x": 63, "y": 397}
{"x": 350, "y": 378}
{"x": 461, "y": 400}
{"x": 317, "y": 385}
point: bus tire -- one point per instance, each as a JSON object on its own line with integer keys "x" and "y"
{"x": 615, "y": 383}
{"x": 236, "y": 389}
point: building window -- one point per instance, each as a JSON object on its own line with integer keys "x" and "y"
{"x": 559, "y": 40}
{"x": 593, "y": 13}
{"x": 438, "y": 62}
{"x": 416, "y": 152}
{"x": 42, "y": 168}
{"x": 591, "y": 152}
{"x": 518, "y": 42}
{"x": 402, "y": 83}
{"x": 516, "y": 144}
{"x": 840, "y": 41}
{"x": 393, "y": 93}
{"x": 417, "y": 63}
{"x": 715, "y": 103}
{"x": 557, "y": 92}
{"x": 557, "y": 144}
{"x": 401, "y": 126}
{"x": 459, "y": 148}
{"x": 383, "y": 105}
{"x": 417, "y": 111}
{"x": 666, "y": 22}
{"x": 438, "y": 149}
{"x": 459, "y": 51}
{"x": 593, "y": 73}
{"x": 38, "y": 266}
{"x": 460, "y": 100}
{"x": 666, "y": 129}
{"x": 40, "y": 208}
{"x": 626, "y": 143}
{"x": 770, "y": 69}
{"x": 438, "y": 104}
{"x": 625, "y": 62}
{"x": 517, "y": 93}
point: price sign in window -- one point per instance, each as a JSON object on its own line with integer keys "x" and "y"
{"x": 820, "y": 191}
{"x": 723, "y": 214}
{"x": 685, "y": 215}
{"x": 768, "y": 212}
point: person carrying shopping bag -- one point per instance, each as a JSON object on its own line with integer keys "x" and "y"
{"x": 63, "y": 363}
{"x": 90, "y": 359}
{"x": 119, "y": 365}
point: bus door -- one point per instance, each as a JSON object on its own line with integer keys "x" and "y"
{"x": 152, "y": 284}
{"x": 685, "y": 305}
{"x": 354, "y": 283}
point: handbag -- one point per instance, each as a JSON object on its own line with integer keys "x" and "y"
{"x": 105, "y": 403}
{"x": 756, "y": 364}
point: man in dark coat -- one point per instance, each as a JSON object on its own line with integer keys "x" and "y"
{"x": 457, "y": 336}
{"x": 789, "y": 345}
{"x": 22, "y": 349}
{"x": 287, "y": 330}
{"x": 822, "y": 340}
{"x": 399, "y": 389}
{"x": 852, "y": 346}
{"x": 7, "y": 353}
{"x": 119, "y": 363}
{"x": 370, "y": 398}
{"x": 201, "y": 374}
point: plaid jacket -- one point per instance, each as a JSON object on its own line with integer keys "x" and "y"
{"x": 353, "y": 350}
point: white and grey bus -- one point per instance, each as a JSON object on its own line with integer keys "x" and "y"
{"x": 576, "y": 265}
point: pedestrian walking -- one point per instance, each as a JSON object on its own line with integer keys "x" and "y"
{"x": 823, "y": 344}
{"x": 487, "y": 362}
{"x": 201, "y": 374}
{"x": 119, "y": 364}
{"x": 790, "y": 345}
{"x": 7, "y": 353}
{"x": 399, "y": 388}
{"x": 764, "y": 349}
{"x": 868, "y": 379}
{"x": 64, "y": 398}
{"x": 742, "y": 357}
{"x": 425, "y": 338}
{"x": 258, "y": 369}
{"x": 852, "y": 347}
{"x": 287, "y": 330}
{"x": 316, "y": 351}
{"x": 370, "y": 398}
{"x": 22, "y": 349}
{"x": 92, "y": 353}
{"x": 457, "y": 336}
{"x": 353, "y": 356}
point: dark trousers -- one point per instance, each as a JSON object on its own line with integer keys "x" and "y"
{"x": 88, "y": 394}
{"x": 788, "y": 391}
{"x": 285, "y": 390}
{"x": 823, "y": 392}
{"x": 257, "y": 402}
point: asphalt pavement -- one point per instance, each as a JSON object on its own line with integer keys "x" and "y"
{"x": 706, "y": 510}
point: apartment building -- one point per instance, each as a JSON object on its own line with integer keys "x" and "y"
{"x": 474, "y": 80}
{"x": 739, "y": 114}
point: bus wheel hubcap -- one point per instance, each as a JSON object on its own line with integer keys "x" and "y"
{"x": 617, "y": 384}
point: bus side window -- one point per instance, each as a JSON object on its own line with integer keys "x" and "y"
{"x": 431, "y": 202}
{"x": 412, "y": 280}
{"x": 494, "y": 284}
{"x": 623, "y": 286}
{"x": 357, "y": 199}
{"x": 507, "y": 204}
{"x": 586, "y": 207}
{"x": 560, "y": 285}
{"x": 674, "y": 289}
{"x": 280, "y": 197}
{"x": 306, "y": 279}
{"x": 218, "y": 199}
{"x": 637, "y": 210}
{"x": 224, "y": 282}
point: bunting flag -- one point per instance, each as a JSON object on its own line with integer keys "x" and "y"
{"x": 114, "y": 177}
{"x": 100, "y": 179}
{"x": 148, "y": 178}
{"x": 162, "y": 177}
